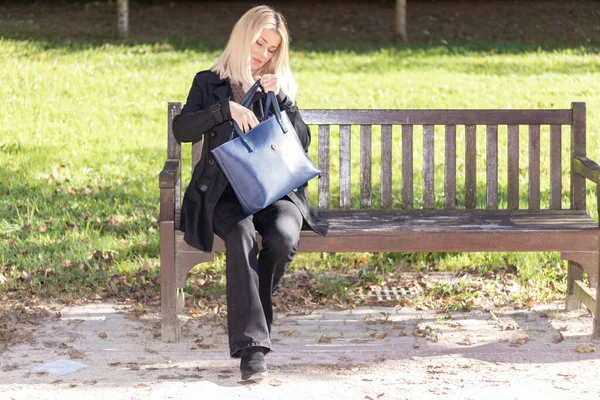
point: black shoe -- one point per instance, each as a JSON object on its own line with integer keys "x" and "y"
{"x": 253, "y": 365}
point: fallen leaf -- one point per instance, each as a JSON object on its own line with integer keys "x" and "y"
{"x": 529, "y": 303}
{"x": 274, "y": 382}
{"x": 585, "y": 348}
{"x": 520, "y": 340}
{"x": 286, "y": 333}
{"x": 559, "y": 338}
{"x": 208, "y": 346}
{"x": 75, "y": 355}
{"x": 467, "y": 341}
{"x": 3, "y": 279}
{"x": 141, "y": 385}
{"x": 189, "y": 323}
{"x": 95, "y": 296}
{"x": 382, "y": 336}
{"x": 42, "y": 228}
{"x": 324, "y": 339}
{"x": 149, "y": 350}
{"x": 114, "y": 364}
{"x": 380, "y": 395}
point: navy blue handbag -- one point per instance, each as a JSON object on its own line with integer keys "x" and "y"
{"x": 267, "y": 162}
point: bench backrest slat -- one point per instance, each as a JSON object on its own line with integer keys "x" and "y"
{"x": 365, "y": 166}
{"x": 555, "y": 167}
{"x": 407, "y": 167}
{"x": 513, "y": 167}
{"x": 492, "y": 166}
{"x": 450, "y": 168}
{"x": 382, "y": 127}
{"x": 534, "y": 167}
{"x": 428, "y": 167}
{"x": 174, "y": 148}
{"x": 578, "y": 150}
{"x": 437, "y": 117}
{"x": 470, "y": 166}
{"x": 196, "y": 152}
{"x": 324, "y": 166}
{"x": 386, "y": 166}
{"x": 345, "y": 167}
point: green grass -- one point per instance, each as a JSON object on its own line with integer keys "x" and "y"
{"x": 83, "y": 138}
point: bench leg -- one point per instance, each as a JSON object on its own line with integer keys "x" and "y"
{"x": 575, "y": 273}
{"x": 589, "y": 261}
{"x": 170, "y": 327}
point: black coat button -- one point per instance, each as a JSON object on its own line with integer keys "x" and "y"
{"x": 213, "y": 134}
{"x": 211, "y": 161}
{"x": 203, "y": 188}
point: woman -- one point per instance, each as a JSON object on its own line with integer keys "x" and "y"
{"x": 257, "y": 49}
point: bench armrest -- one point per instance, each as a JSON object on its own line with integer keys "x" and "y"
{"x": 587, "y": 168}
{"x": 169, "y": 175}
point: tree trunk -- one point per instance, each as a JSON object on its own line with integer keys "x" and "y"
{"x": 123, "y": 18}
{"x": 400, "y": 28}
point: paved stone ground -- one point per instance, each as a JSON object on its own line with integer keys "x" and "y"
{"x": 366, "y": 353}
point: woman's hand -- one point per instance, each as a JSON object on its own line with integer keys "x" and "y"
{"x": 269, "y": 82}
{"x": 243, "y": 116}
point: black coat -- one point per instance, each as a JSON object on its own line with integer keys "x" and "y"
{"x": 198, "y": 118}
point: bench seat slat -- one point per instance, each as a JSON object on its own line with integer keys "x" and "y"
{"x": 449, "y": 230}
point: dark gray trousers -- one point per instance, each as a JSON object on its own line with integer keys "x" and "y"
{"x": 253, "y": 276}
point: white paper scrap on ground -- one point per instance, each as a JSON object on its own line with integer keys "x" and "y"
{"x": 60, "y": 367}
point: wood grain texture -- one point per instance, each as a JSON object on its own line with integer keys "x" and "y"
{"x": 428, "y": 167}
{"x": 437, "y": 117}
{"x": 470, "y": 167}
{"x": 170, "y": 327}
{"x": 534, "y": 167}
{"x": 578, "y": 148}
{"x": 407, "y": 167}
{"x": 365, "y": 166}
{"x": 345, "y": 202}
{"x": 555, "y": 167}
{"x": 324, "y": 167}
{"x": 386, "y": 166}
{"x": 174, "y": 148}
{"x": 492, "y": 166}
{"x": 513, "y": 167}
{"x": 450, "y": 168}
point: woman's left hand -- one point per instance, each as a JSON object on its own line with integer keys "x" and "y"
{"x": 269, "y": 82}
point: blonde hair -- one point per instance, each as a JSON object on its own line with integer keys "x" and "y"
{"x": 235, "y": 62}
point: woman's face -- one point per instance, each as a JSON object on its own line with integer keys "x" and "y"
{"x": 263, "y": 48}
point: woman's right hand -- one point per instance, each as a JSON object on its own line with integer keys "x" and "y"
{"x": 243, "y": 116}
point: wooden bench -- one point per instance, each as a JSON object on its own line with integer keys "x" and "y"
{"x": 496, "y": 217}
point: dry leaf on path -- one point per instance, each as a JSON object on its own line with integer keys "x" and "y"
{"x": 324, "y": 339}
{"x": 558, "y": 338}
{"x": 75, "y": 355}
{"x": 208, "y": 346}
{"x": 149, "y": 350}
{"x": 274, "y": 382}
{"x": 189, "y": 323}
{"x": 287, "y": 333}
{"x": 467, "y": 341}
{"x": 585, "y": 348}
{"x": 102, "y": 335}
{"x": 520, "y": 340}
